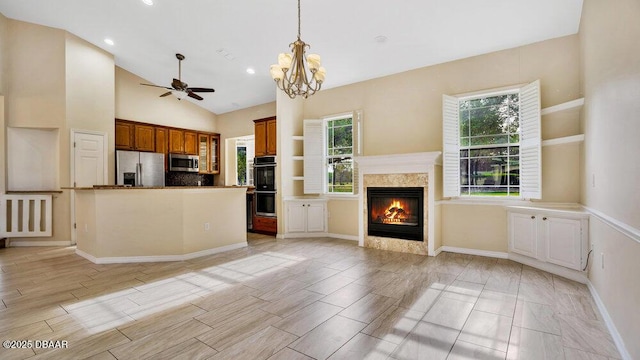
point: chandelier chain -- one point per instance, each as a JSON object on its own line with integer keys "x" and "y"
{"x": 298, "y": 19}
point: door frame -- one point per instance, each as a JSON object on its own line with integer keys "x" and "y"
{"x": 72, "y": 169}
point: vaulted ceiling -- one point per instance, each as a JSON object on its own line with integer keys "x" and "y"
{"x": 357, "y": 39}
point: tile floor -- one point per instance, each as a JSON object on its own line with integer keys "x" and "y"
{"x": 295, "y": 299}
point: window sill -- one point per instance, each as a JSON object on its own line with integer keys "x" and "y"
{"x": 340, "y": 196}
{"x": 485, "y": 200}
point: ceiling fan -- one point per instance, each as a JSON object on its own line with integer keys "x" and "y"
{"x": 181, "y": 89}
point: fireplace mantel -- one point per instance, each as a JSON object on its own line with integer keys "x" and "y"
{"x": 393, "y": 165}
{"x": 398, "y": 163}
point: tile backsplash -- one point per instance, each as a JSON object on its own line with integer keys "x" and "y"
{"x": 177, "y": 178}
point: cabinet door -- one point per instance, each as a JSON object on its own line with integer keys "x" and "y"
{"x": 563, "y": 241}
{"x": 260, "y": 141}
{"x": 190, "y": 143}
{"x": 523, "y": 237}
{"x": 176, "y": 141}
{"x": 144, "y": 138}
{"x": 162, "y": 141}
{"x": 271, "y": 137}
{"x": 315, "y": 217}
{"x": 214, "y": 154}
{"x": 124, "y": 135}
{"x": 162, "y": 145}
{"x": 296, "y": 216}
{"x": 203, "y": 152}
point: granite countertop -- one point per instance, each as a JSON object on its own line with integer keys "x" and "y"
{"x": 122, "y": 187}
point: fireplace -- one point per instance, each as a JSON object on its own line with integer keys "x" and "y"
{"x": 396, "y": 212}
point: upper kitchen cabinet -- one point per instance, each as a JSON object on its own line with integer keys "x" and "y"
{"x": 124, "y": 135}
{"x": 265, "y": 136}
{"x": 176, "y": 141}
{"x": 190, "y": 143}
{"x": 144, "y": 137}
{"x": 209, "y": 153}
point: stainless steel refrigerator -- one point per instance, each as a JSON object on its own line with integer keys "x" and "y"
{"x": 135, "y": 168}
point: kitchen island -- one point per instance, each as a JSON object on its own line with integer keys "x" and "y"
{"x": 131, "y": 224}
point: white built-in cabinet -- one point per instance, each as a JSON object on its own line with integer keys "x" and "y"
{"x": 305, "y": 216}
{"x": 553, "y": 236}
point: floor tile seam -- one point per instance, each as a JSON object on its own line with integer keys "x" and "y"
{"x": 482, "y": 346}
{"x": 292, "y": 349}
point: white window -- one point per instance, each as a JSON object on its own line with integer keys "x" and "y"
{"x": 329, "y": 147}
{"x": 492, "y": 144}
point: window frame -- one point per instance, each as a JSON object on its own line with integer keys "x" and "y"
{"x": 529, "y": 141}
{"x": 327, "y": 157}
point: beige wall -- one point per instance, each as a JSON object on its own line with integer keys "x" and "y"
{"x": 142, "y": 103}
{"x": 609, "y": 33}
{"x": 3, "y": 54}
{"x": 403, "y": 114}
{"x": 90, "y": 95}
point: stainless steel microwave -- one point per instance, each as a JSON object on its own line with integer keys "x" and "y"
{"x": 181, "y": 162}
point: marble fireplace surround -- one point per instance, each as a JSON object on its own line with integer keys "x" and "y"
{"x": 400, "y": 170}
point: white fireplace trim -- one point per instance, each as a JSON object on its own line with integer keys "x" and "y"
{"x": 423, "y": 162}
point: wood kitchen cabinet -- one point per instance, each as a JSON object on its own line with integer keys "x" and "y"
{"x": 144, "y": 137}
{"x": 176, "y": 141}
{"x": 265, "y": 136}
{"x": 162, "y": 145}
{"x": 209, "y": 153}
{"x": 190, "y": 143}
{"x": 124, "y": 135}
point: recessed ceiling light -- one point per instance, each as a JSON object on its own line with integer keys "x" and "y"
{"x": 380, "y": 39}
{"x": 251, "y": 71}
{"x": 148, "y": 2}
{"x": 109, "y": 41}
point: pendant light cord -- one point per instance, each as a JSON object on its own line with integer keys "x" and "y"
{"x": 298, "y": 19}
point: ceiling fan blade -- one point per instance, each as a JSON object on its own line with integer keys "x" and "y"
{"x": 158, "y": 86}
{"x": 194, "y": 95}
{"x": 197, "y": 89}
{"x": 166, "y": 94}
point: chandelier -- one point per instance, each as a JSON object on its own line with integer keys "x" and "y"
{"x": 293, "y": 75}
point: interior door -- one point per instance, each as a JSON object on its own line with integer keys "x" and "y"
{"x": 89, "y": 160}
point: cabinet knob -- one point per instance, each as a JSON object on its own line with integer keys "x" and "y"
{"x": 533, "y": 217}
{"x": 544, "y": 218}
{"x": 303, "y": 205}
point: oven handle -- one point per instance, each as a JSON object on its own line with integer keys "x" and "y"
{"x": 256, "y": 191}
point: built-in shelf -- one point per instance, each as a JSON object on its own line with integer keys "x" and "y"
{"x": 297, "y": 137}
{"x": 298, "y": 157}
{"x": 562, "y": 107}
{"x": 563, "y": 140}
{"x": 298, "y": 178}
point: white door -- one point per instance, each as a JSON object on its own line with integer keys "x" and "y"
{"x": 89, "y": 161}
{"x": 88, "y": 165}
{"x": 563, "y": 241}
{"x": 523, "y": 236}
{"x": 315, "y": 217}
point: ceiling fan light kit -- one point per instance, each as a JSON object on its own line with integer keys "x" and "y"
{"x": 293, "y": 74}
{"x": 181, "y": 89}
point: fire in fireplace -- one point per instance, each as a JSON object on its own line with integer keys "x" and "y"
{"x": 396, "y": 212}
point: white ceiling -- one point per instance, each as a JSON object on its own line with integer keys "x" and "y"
{"x": 419, "y": 33}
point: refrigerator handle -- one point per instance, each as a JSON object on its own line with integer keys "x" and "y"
{"x": 140, "y": 165}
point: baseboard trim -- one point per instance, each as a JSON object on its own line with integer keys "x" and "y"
{"x": 574, "y": 275}
{"x": 617, "y": 339}
{"x": 26, "y": 243}
{"x": 343, "y": 237}
{"x": 158, "y": 258}
{"x": 304, "y": 235}
{"x": 486, "y": 253}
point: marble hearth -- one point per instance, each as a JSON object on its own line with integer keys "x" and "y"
{"x": 402, "y": 170}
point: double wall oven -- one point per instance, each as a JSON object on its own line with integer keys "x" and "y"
{"x": 265, "y": 182}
